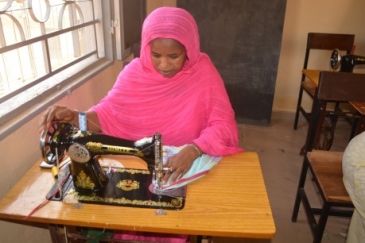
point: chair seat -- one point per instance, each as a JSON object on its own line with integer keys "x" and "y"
{"x": 327, "y": 166}
{"x": 310, "y": 87}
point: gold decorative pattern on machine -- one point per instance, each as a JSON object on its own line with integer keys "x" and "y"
{"x": 174, "y": 204}
{"x": 132, "y": 171}
{"x": 97, "y": 147}
{"x": 94, "y": 146}
{"x": 83, "y": 181}
{"x": 128, "y": 185}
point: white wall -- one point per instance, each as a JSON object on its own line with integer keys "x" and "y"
{"x": 303, "y": 16}
{"x": 20, "y": 150}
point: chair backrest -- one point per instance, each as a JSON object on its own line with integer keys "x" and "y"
{"x": 328, "y": 41}
{"x": 333, "y": 86}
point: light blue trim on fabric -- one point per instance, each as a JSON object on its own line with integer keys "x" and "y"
{"x": 200, "y": 167}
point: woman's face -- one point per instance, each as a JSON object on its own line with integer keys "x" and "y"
{"x": 168, "y": 56}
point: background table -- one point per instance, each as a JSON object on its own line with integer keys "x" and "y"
{"x": 231, "y": 200}
{"x": 313, "y": 75}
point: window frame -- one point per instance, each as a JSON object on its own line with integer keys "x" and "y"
{"x": 134, "y": 18}
{"x": 14, "y": 119}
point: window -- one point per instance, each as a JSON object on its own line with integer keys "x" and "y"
{"x": 131, "y": 12}
{"x": 45, "y": 45}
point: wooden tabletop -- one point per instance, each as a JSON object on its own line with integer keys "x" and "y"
{"x": 231, "y": 200}
{"x": 359, "y": 106}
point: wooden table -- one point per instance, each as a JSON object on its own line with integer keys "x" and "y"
{"x": 231, "y": 200}
{"x": 313, "y": 75}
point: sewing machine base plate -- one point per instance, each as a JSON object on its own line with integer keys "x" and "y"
{"x": 128, "y": 187}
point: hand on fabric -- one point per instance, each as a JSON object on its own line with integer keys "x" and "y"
{"x": 57, "y": 113}
{"x": 180, "y": 163}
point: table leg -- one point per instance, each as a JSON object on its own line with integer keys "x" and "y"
{"x": 360, "y": 125}
{"x": 205, "y": 239}
{"x": 55, "y": 236}
{"x": 315, "y": 127}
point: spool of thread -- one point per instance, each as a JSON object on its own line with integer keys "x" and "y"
{"x": 82, "y": 122}
{"x": 55, "y": 172}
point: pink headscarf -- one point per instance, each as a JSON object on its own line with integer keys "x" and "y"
{"x": 191, "y": 106}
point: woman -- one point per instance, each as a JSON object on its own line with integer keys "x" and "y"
{"x": 353, "y": 165}
{"x": 173, "y": 89}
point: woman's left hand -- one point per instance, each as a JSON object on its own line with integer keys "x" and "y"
{"x": 180, "y": 163}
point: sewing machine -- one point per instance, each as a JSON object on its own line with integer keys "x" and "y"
{"x": 347, "y": 62}
{"x": 89, "y": 179}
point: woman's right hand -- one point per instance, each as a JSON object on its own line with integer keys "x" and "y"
{"x": 57, "y": 113}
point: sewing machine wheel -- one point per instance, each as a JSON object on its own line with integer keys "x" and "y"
{"x": 53, "y": 141}
{"x": 335, "y": 59}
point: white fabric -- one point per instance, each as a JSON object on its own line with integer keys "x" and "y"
{"x": 201, "y": 166}
{"x": 356, "y": 232}
{"x": 353, "y": 164}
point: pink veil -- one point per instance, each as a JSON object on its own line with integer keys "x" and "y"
{"x": 192, "y": 106}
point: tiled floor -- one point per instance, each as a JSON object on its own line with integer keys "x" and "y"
{"x": 278, "y": 148}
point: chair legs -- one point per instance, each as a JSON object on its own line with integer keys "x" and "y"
{"x": 328, "y": 208}
{"x": 303, "y": 175}
{"x": 301, "y": 109}
{"x": 317, "y": 229}
{"x": 299, "y": 104}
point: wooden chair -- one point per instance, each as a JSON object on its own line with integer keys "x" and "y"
{"x": 320, "y": 41}
{"x": 326, "y": 166}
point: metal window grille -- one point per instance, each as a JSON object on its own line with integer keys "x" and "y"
{"x": 41, "y": 38}
{"x": 45, "y": 42}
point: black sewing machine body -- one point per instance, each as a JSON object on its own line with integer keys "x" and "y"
{"x": 94, "y": 184}
{"x": 345, "y": 62}
{"x": 84, "y": 148}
